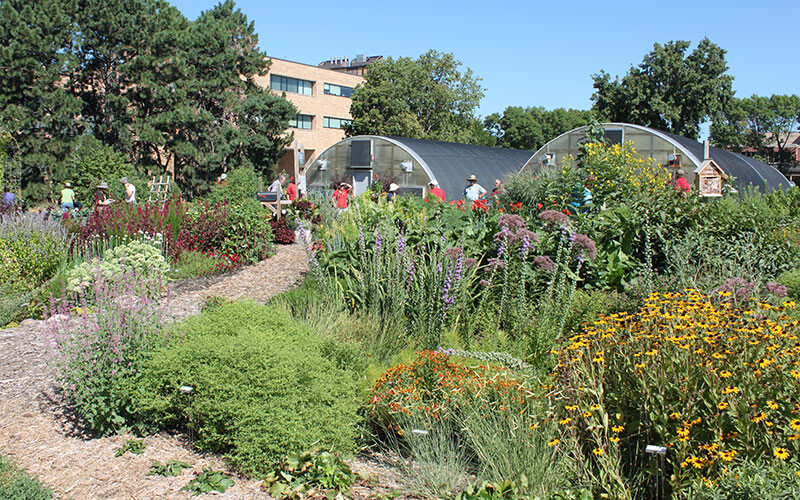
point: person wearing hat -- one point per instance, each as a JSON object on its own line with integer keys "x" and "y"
{"x": 67, "y": 198}
{"x": 101, "y": 199}
{"x": 341, "y": 195}
{"x": 473, "y": 191}
{"x": 130, "y": 191}
{"x": 435, "y": 190}
{"x": 392, "y": 192}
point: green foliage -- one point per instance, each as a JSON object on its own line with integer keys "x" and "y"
{"x": 171, "y": 469}
{"x": 760, "y": 123}
{"x": 191, "y": 264}
{"x": 207, "y": 481}
{"x": 134, "y": 446}
{"x": 262, "y": 387}
{"x": 750, "y": 480}
{"x": 247, "y": 232}
{"x": 425, "y": 98}
{"x": 508, "y": 448}
{"x": 309, "y": 474}
{"x": 136, "y": 257}
{"x": 531, "y": 128}
{"x": 173, "y": 93}
{"x": 97, "y": 355}
{"x": 33, "y": 247}
{"x": 669, "y": 90}
{"x": 95, "y": 162}
{"x": 240, "y": 187}
{"x": 36, "y": 107}
{"x": 17, "y": 485}
{"x": 791, "y": 279}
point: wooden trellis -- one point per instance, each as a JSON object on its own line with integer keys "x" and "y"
{"x": 159, "y": 190}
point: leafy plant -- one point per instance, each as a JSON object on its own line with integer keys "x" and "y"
{"x": 135, "y": 446}
{"x": 138, "y": 258}
{"x": 262, "y": 387}
{"x": 15, "y": 484}
{"x": 96, "y": 355}
{"x": 171, "y": 469}
{"x": 310, "y": 473}
{"x": 208, "y": 481}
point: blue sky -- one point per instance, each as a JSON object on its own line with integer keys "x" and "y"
{"x": 533, "y": 53}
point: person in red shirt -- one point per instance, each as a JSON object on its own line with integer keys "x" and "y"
{"x": 291, "y": 190}
{"x": 436, "y": 191}
{"x": 340, "y": 196}
{"x": 681, "y": 184}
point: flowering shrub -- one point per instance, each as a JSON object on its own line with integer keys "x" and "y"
{"x": 435, "y": 388}
{"x": 136, "y": 257}
{"x": 95, "y": 355}
{"x": 33, "y": 247}
{"x": 712, "y": 383}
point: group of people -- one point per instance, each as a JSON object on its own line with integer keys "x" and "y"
{"x": 472, "y": 192}
{"x": 101, "y": 197}
{"x": 291, "y": 188}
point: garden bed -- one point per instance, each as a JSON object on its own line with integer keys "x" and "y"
{"x": 38, "y": 433}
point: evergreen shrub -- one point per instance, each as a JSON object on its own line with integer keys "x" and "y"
{"x": 261, "y": 387}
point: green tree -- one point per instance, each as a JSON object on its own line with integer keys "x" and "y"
{"x": 36, "y": 104}
{"x": 231, "y": 121}
{"x": 669, "y": 90}
{"x": 759, "y": 123}
{"x": 531, "y": 128}
{"x": 423, "y": 98}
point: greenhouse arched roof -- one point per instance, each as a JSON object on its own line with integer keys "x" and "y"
{"x": 450, "y": 163}
{"x": 660, "y": 146}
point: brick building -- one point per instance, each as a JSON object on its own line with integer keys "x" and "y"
{"x": 322, "y": 99}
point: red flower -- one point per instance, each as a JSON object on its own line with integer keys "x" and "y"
{"x": 565, "y": 211}
{"x": 539, "y": 206}
{"x": 500, "y": 210}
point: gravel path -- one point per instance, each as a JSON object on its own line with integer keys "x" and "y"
{"x": 37, "y": 435}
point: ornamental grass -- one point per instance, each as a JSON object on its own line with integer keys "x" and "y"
{"x": 711, "y": 382}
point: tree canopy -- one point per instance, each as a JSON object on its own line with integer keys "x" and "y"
{"x": 669, "y": 90}
{"x": 167, "y": 93}
{"x": 423, "y": 98}
{"x": 531, "y": 128}
{"x": 760, "y": 124}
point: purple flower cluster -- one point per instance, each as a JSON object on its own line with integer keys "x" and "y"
{"x": 586, "y": 246}
{"x": 554, "y": 217}
{"x": 738, "y": 287}
{"x": 776, "y": 289}
{"x": 511, "y": 222}
{"x": 470, "y": 263}
{"x": 544, "y": 263}
{"x": 455, "y": 253}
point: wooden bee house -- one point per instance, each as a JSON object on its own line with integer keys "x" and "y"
{"x": 709, "y": 178}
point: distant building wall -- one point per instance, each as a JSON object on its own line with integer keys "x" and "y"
{"x": 322, "y": 99}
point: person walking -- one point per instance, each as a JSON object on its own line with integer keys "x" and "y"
{"x": 435, "y": 190}
{"x": 474, "y": 191}
{"x": 130, "y": 191}
{"x": 67, "y": 198}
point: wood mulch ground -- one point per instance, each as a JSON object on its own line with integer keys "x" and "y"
{"x": 37, "y": 433}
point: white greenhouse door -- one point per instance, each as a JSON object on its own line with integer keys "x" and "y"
{"x": 361, "y": 180}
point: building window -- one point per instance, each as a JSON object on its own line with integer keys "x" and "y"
{"x": 333, "y": 89}
{"x": 287, "y": 84}
{"x": 301, "y": 121}
{"x": 330, "y": 122}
